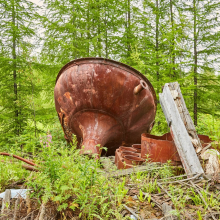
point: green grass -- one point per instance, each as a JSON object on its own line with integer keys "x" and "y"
{"x": 75, "y": 182}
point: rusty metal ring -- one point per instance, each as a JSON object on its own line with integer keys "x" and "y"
{"x": 144, "y": 84}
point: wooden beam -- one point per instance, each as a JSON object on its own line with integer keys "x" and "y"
{"x": 179, "y": 133}
{"x": 185, "y": 116}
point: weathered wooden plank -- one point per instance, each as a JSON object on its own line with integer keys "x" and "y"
{"x": 185, "y": 116}
{"x": 129, "y": 171}
{"x": 6, "y": 200}
{"x": 180, "y": 135}
{"x": 16, "y": 209}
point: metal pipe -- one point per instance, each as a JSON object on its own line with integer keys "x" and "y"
{"x": 19, "y": 158}
{"x": 140, "y": 87}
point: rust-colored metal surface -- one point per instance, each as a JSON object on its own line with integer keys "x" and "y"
{"x": 119, "y": 161}
{"x": 159, "y": 148}
{"x": 104, "y": 103}
{"x": 17, "y": 157}
{"x": 127, "y": 157}
{"x": 204, "y": 139}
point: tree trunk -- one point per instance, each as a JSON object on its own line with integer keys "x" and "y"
{"x": 106, "y": 32}
{"x": 99, "y": 30}
{"x": 128, "y": 29}
{"x": 14, "y": 69}
{"x": 157, "y": 39}
{"x": 88, "y": 29}
{"x": 74, "y": 35}
{"x": 173, "y": 73}
{"x": 195, "y": 63}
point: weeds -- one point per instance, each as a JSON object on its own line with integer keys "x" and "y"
{"x": 74, "y": 182}
{"x": 10, "y": 172}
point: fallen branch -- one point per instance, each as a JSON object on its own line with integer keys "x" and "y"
{"x": 131, "y": 170}
{"x": 194, "y": 186}
{"x": 30, "y": 168}
{"x": 209, "y": 214}
{"x": 177, "y": 181}
{"x": 131, "y": 211}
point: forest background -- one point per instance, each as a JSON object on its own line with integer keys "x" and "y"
{"x": 166, "y": 40}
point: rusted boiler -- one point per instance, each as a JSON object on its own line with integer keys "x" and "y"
{"x": 104, "y": 103}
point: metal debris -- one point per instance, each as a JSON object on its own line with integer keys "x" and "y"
{"x": 104, "y": 103}
{"x": 159, "y": 148}
{"x": 127, "y": 157}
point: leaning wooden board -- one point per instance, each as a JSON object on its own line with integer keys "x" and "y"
{"x": 185, "y": 116}
{"x": 179, "y": 133}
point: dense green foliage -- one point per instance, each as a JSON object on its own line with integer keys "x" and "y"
{"x": 166, "y": 40}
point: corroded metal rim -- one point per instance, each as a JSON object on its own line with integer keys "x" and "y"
{"x": 104, "y": 61}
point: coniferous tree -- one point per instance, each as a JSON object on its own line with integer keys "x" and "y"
{"x": 16, "y": 78}
{"x": 205, "y": 41}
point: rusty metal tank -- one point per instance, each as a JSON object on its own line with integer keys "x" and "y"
{"x": 104, "y": 103}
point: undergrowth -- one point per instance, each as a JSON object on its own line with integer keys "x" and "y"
{"x": 77, "y": 183}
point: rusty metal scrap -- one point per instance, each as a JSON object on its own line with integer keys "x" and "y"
{"x": 104, "y": 103}
{"x": 154, "y": 149}
{"x": 159, "y": 148}
{"x": 127, "y": 157}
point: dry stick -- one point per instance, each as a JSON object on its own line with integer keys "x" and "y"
{"x": 200, "y": 188}
{"x": 189, "y": 216}
{"x": 208, "y": 214}
{"x": 31, "y": 168}
{"x": 165, "y": 217}
{"x": 205, "y": 148}
{"x": 167, "y": 200}
{"x": 195, "y": 207}
{"x": 159, "y": 194}
{"x": 131, "y": 211}
{"x": 42, "y": 212}
{"x": 174, "y": 177}
{"x": 28, "y": 202}
{"x": 202, "y": 199}
{"x": 198, "y": 181}
{"x": 185, "y": 213}
{"x": 164, "y": 189}
{"x": 177, "y": 181}
{"x": 6, "y": 200}
{"x": 168, "y": 194}
{"x": 16, "y": 211}
{"x": 31, "y": 213}
{"x": 131, "y": 171}
{"x": 206, "y": 191}
{"x": 154, "y": 200}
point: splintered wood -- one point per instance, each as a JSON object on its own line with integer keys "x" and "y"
{"x": 182, "y": 128}
{"x": 185, "y": 116}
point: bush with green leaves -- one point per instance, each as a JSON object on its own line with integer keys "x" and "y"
{"x": 10, "y": 172}
{"x": 74, "y": 181}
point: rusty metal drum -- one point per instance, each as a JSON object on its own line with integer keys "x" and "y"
{"x": 104, "y": 103}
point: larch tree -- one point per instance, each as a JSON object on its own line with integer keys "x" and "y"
{"x": 16, "y": 75}
{"x": 204, "y": 39}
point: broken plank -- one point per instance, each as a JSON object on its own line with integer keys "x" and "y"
{"x": 131, "y": 170}
{"x": 179, "y": 133}
{"x": 6, "y": 201}
{"x": 185, "y": 116}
